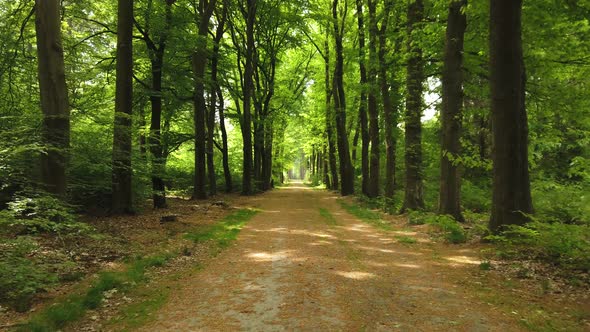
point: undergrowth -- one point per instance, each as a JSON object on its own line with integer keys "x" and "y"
{"x": 75, "y": 306}
{"x": 450, "y": 229}
{"x": 367, "y": 215}
{"x": 225, "y": 231}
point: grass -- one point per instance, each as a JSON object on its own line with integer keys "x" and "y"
{"x": 225, "y": 231}
{"x": 405, "y": 239}
{"x": 328, "y": 217}
{"x": 366, "y": 215}
{"x": 139, "y": 313}
{"x": 75, "y": 306}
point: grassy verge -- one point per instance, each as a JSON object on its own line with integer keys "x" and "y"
{"x": 74, "y": 307}
{"x": 224, "y": 232}
{"x": 328, "y": 217}
{"x": 366, "y": 215}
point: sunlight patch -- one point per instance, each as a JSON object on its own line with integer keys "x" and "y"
{"x": 356, "y": 275}
{"x": 268, "y": 257}
{"x": 463, "y": 260}
{"x": 410, "y": 266}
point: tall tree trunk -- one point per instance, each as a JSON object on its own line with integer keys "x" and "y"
{"x": 333, "y": 183}
{"x": 267, "y": 158}
{"x": 226, "y": 170}
{"x": 122, "y": 200}
{"x": 199, "y": 64}
{"x": 389, "y": 112}
{"x": 346, "y": 170}
{"x": 54, "y": 97}
{"x": 511, "y": 184}
{"x": 452, "y": 84}
{"x": 363, "y": 118}
{"x": 414, "y": 197}
{"x": 215, "y": 88}
{"x": 158, "y": 168}
{"x": 373, "y": 189}
{"x": 250, "y": 17}
{"x": 156, "y": 146}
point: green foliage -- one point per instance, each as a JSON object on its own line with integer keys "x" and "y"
{"x": 328, "y": 217}
{"x": 405, "y": 239}
{"x": 20, "y": 277}
{"x": 74, "y": 307}
{"x": 451, "y": 230}
{"x": 474, "y": 197}
{"x": 367, "y": 215}
{"x": 41, "y": 214}
{"x": 566, "y": 203}
{"x": 225, "y": 231}
{"x": 564, "y": 244}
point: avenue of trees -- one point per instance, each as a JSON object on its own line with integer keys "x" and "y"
{"x": 450, "y": 106}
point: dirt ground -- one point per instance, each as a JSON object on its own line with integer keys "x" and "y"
{"x": 293, "y": 270}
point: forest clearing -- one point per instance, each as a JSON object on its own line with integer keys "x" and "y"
{"x": 270, "y": 165}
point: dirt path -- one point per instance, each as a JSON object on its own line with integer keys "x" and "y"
{"x": 292, "y": 269}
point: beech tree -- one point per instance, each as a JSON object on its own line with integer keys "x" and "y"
{"x": 511, "y": 201}
{"x": 122, "y": 191}
{"x": 414, "y": 190}
{"x": 451, "y": 113}
{"x": 54, "y": 97}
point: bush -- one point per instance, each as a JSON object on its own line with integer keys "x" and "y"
{"x": 475, "y": 198}
{"x": 452, "y": 231}
{"x": 41, "y": 214}
{"x": 564, "y": 244}
{"x": 20, "y": 278}
{"x": 561, "y": 203}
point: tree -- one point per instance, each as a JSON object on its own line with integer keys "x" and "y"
{"x": 414, "y": 196}
{"x": 249, "y": 14}
{"x": 199, "y": 64}
{"x": 363, "y": 119}
{"x": 156, "y": 51}
{"x": 451, "y": 114}
{"x": 54, "y": 97}
{"x": 346, "y": 170}
{"x": 511, "y": 202}
{"x": 389, "y": 111}
{"x": 122, "y": 200}
{"x": 374, "y": 161}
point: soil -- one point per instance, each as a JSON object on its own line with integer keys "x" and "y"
{"x": 292, "y": 269}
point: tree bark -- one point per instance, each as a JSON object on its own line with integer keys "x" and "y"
{"x": 414, "y": 197}
{"x": 389, "y": 112}
{"x": 54, "y": 97}
{"x": 373, "y": 190}
{"x": 333, "y": 183}
{"x": 199, "y": 64}
{"x": 363, "y": 118}
{"x": 250, "y": 17}
{"x": 511, "y": 201}
{"x": 452, "y": 109}
{"x": 346, "y": 170}
{"x": 122, "y": 200}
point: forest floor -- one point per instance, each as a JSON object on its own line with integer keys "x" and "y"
{"x": 304, "y": 264}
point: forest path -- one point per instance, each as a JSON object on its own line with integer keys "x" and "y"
{"x": 293, "y": 269}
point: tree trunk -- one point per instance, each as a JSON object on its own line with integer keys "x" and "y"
{"x": 250, "y": 17}
{"x": 333, "y": 183}
{"x": 346, "y": 171}
{"x": 511, "y": 201}
{"x": 389, "y": 112}
{"x": 374, "y": 162}
{"x": 451, "y": 115}
{"x": 122, "y": 200}
{"x": 158, "y": 168}
{"x": 363, "y": 119}
{"x": 414, "y": 197}
{"x": 54, "y": 97}
{"x": 226, "y": 170}
{"x": 199, "y": 64}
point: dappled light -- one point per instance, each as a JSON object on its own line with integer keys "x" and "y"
{"x": 356, "y": 275}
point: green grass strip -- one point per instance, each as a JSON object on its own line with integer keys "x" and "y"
{"x": 74, "y": 307}
{"x": 366, "y": 215}
{"x": 328, "y": 217}
{"x": 225, "y": 231}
